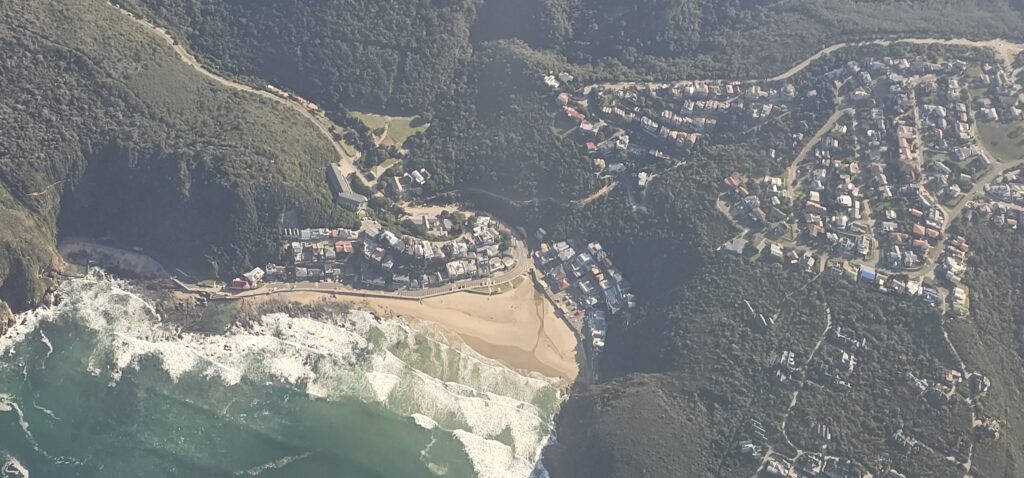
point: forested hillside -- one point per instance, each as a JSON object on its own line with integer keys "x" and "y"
{"x": 492, "y": 130}
{"x": 730, "y": 38}
{"x": 993, "y": 339}
{"x": 474, "y": 67}
{"x": 392, "y": 55}
{"x": 108, "y": 133}
{"x": 709, "y": 373}
{"x": 401, "y": 54}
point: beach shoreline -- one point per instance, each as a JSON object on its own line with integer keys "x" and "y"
{"x": 518, "y": 328}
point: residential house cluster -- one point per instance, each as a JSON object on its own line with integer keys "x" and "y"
{"x": 939, "y": 391}
{"x": 946, "y": 116}
{"x": 885, "y": 282}
{"x": 556, "y": 81}
{"x": 1007, "y": 188}
{"x": 399, "y": 187}
{"x": 874, "y": 188}
{"x": 638, "y": 129}
{"x": 835, "y": 372}
{"x": 315, "y": 254}
{"x": 813, "y": 465}
{"x": 407, "y": 262}
{"x": 760, "y": 202}
{"x": 1000, "y": 214}
{"x": 385, "y": 260}
{"x": 951, "y": 267}
{"x": 584, "y": 274}
{"x": 1005, "y": 101}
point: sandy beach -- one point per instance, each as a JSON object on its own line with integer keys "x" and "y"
{"x": 518, "y": 328}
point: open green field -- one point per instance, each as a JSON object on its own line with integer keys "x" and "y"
{"x": 399, "y": 128}
{"x": 562, "y": 126}
{"x": 1005, "y": 141}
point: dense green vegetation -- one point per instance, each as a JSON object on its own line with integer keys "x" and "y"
{"x": 393, "y": 55}
{"x": 485, "y": 132}
{"x": 731, "y": 38}
{"x": 109, "y": 134}
{"x": 991, "y": 339}
{"x": 484, "y": 99}
{"x": 707, "y": 371}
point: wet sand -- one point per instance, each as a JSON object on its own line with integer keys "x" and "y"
{"x": 518, "y": 328}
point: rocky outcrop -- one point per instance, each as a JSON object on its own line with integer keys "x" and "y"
{"x": 6, "y": 318}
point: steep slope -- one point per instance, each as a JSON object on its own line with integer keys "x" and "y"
{"x": 109, "y": 134}
{"x": 731, "y": 38}
{"x": 711, "y": 376}
{"x": 992, "y": 339}
{"x": 393, "y": 55}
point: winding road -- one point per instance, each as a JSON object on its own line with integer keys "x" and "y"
{"x": 347, "y": 163}
{"x": 324, "y": 125}
{"x": 791, "y": 172}
{"x": 1005, "y": 50}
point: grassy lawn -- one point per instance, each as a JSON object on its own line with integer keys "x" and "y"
{"x": 936, "y": 156}
{"x": 1005, "y": 141}
{"x": 499, "y": 289}
{"x": 562, "y": 126}
{"x": 400, "y": 128}
{"x": 954, "y": 202}
{"x": 348, "y": 148}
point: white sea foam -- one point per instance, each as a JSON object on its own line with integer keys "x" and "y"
{"x": 274, "y": 465}
{"x": 422, "y": 371}
{"x": 7, "y": 404}
{"x": 491, "y": 458}
{"x": 13, "y": 467}
{"x": 45, "y": 411}
{"x": 383, "y": 384}
{"x": 49, "y": 346}
{"x": 424, "y": 421}
{"x": 435, "y": 468}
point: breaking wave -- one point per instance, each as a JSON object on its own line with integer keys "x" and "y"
{"x": 501, "y": 417}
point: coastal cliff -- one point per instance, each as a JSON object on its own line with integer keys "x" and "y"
{"x": 6, "y": 318}
{"x": 112, "y": 136}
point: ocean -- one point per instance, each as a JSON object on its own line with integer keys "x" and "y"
{"x": 99, "y": 386}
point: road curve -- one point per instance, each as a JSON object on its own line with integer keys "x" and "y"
{"x": 1005, "y": 50}
{"x": 346, "y": 162}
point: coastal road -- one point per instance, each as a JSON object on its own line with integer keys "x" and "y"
{"x": 324, "y": 125}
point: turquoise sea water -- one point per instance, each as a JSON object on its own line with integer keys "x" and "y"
{"x": 99, "y": 387}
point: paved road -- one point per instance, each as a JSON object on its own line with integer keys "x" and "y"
{"x": 519, "y": 251}
{"x": 324, "y": 125}
{"x": 791, "y": 172}
{"x": 597, "y": 194}
{"x": 1004, "y": 49}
